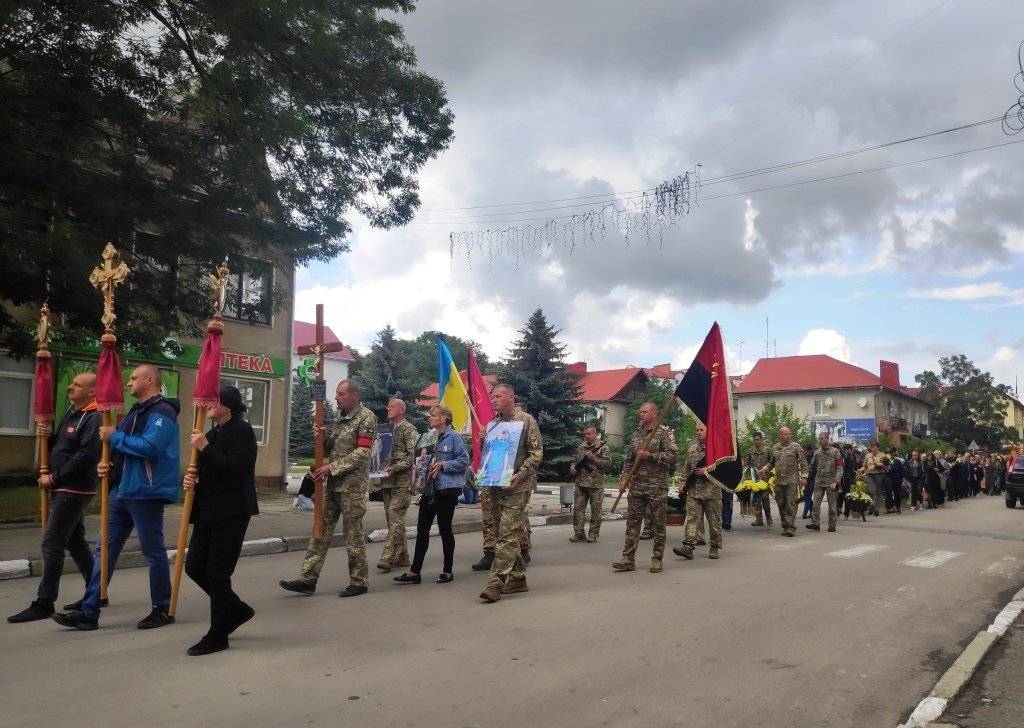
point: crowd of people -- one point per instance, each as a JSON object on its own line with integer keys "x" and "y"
{"x": 435, "y": 468}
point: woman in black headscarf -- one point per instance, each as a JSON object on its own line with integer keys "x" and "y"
{"x": 224, "y": 502}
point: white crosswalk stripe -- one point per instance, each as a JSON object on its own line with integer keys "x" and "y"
{"x": 931, "y": 558}
{"x": 855, "y": 551}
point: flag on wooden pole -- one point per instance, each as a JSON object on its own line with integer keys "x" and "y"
{"x": 451, "y": 391}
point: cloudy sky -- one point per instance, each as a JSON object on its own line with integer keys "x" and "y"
{"x": 566, "y": 99}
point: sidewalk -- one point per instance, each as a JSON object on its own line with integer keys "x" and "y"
{"x": 277, "y": 528}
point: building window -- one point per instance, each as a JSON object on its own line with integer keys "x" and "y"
{"x": 819, "y": 406}
{"x": 256, "y": 396}
{"x": 16, "y": 383}
{"x": 249, "y": 288}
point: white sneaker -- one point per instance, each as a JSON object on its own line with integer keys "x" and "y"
{"x": 302, "y": 503}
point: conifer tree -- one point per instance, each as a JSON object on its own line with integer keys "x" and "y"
{"x": 536, "y": 368}
{"x": 386, "y": 372}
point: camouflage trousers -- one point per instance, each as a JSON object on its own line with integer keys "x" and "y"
{"x": 396, "y": 503}
{"x": 507, "y": 509}
{"x": 647, "y": 528}
{"x": 699, "y": 508}
{"x": 594, "y": 497}
{"x": 787, "y": 497}
{"x": 763, "y": 506}
{"x": 488, "y": 522}
{"x": 643, "y": 504}
{"x": 350, "y": 508}
{"x": 833, "y": 509}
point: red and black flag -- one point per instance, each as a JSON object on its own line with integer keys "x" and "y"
{"x": 705, "y": 391}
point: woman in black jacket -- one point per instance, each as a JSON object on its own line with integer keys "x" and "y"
{"x": 225, "y": 500}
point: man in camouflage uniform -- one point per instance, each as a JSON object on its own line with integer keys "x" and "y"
{"x": 653, "y": 448}
{"x": 703, "y": 500}
{"x": 508, "y": 505}
{"x": 593, "y": 459}
{"x": 348, "y": 481}
{"x": 790, "y": 474}
{"x": 759, "y": 458}
{"x": 827, "y": 466}
{"x": 396, "y": 487}
{"x": 491, "y": 536}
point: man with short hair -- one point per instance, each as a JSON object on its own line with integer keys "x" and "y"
{"x": 703, "y": 500}
{"x": 790, "y": 473}
{"x": 348, "y": 483}
{"x": 74, "y": 453}
{"x": 758, "y": 458}
{"x": 143, "y": 475}
{"x": 593, "y": 459}
{"x": 827, "y": 466}
{"x": 396, "y": 487}
{"x": 508, "y": 572}
{"x": 653, "y": 448}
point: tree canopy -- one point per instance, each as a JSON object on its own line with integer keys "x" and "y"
{"x": 182, "y": 132}
{"x": 772, "y": 418}
{"x": 969, "y": 405}
{"x": 680, "y": 421}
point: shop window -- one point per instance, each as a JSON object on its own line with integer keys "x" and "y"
{"x": 248, "y": 296}
{"x": 16, "y": 383}
{"x": 256, "y": 396}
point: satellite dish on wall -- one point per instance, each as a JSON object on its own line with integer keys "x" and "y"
{"x": 750, "y": 416}
{"x": 828, "y": 402}
{"x": 862, "y": 402}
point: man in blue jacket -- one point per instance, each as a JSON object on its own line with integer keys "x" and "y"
{"x": 143, "y": 477}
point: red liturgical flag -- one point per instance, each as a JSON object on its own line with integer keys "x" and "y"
{"x": 109, "y": 387}
{"x": 44, "y": 389}
{"x": 480, "y": 401}
{"x": 207, "y": 391}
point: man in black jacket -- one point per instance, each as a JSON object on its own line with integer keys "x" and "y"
{"x": 225, "y": 500}
{"x": 74, "y": 453}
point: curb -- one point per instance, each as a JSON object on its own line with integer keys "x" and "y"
{"x": 21, "y": 568}
{"x": 931, "y": 708}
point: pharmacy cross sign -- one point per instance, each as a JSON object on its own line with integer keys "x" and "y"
{"x": 318, "y": 349}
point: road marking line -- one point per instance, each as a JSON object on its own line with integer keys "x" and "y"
{"x": 1001, "y": 567}
{"x": 855, "y": 551}
{"x": 789, "y": 546}
{"x": 931, "y": 558}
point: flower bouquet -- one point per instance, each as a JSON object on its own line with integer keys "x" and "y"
{"x": 858, "y": 500}
{"x": 752, "y": 489}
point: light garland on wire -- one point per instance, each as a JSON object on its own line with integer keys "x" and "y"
{"x": 1013, "y": 120}
{"x": 644, "y": 217}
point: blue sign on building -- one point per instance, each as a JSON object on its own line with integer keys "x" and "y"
{"x": 858, "y": 430}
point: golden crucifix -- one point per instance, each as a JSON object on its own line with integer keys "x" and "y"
{"x": 218, "y": 287}
{"x": 104, "y": 278}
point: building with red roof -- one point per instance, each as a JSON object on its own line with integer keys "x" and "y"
{"x": 853, "y": 404}
{"x": 335, "y": 362}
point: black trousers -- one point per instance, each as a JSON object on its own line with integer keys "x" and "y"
{"x": 213, "y": 553}
{"x": 64, "y": 530}
{"x": 443, "y": 508}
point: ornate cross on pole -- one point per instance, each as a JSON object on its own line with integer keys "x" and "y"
{"x": 103, "y": 279}
{"x": 318, "y": 349}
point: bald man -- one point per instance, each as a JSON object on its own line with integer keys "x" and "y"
{"x": 74, "y": 453}
{"x": 143, "y": 478}
{"x": 397, "y": 487}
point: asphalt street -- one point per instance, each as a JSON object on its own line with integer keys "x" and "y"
{"x": 844, "y": 629}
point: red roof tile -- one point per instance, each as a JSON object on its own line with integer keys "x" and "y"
{"x": 304, "y": 334}
{"x": 804, "y": 373}
{"x": 606, "y": 385}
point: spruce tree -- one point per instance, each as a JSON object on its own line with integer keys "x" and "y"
{"x": 300, "y": 421}
{"x": 386, "y": 372}
{"x": 536, "y": 368}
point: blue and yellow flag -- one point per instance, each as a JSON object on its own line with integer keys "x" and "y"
{"x": 451, "y": 391}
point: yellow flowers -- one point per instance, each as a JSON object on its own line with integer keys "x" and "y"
{"x": 757, "y": 486}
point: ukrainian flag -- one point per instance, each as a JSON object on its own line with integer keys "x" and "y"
{"x": 452, "y": 392}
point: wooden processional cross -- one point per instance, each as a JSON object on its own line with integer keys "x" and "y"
{"x": 318, "y": 349}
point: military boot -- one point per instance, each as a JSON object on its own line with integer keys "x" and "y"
{"x": 655, "y": 566}
{"x": 484, "y": 564}
{"x": 713, "y": 553}
{"x": 685, "y": 550}
{"x": 491, "y": 594}
{"x": 623, "y": 565}
{"x": 515, "y": 586}
{"x": 301, "y": 586}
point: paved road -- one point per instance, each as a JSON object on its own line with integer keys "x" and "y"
{"x": 846, "y": 629}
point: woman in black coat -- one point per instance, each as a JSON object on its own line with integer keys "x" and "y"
{"x": 225, "y": 501}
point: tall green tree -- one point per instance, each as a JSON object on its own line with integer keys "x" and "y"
{"x": 185, "y": 131}
{"x": 387, "y": 372}
{"x": 682, "y": 423}
{"x": 536, "y": 368}
{"x": 422, "y": 353}
{"x": 969, "y": 405}
{"x": 772, "y": 418}
{"x": 300, "y": 421}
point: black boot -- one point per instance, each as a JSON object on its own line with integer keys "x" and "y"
{"x": 244, "y": 614}
{"x": 36, "y": 610}
{"x": 301, "y": 586}
{"x": 76, "y": 620}
{"x": 207, "y": 646}
{"x": 352, "y": 590}
{"x": 156, "y": 618}
{"x": 484, "y": 564}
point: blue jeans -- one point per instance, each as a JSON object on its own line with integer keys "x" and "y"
{"x": 808, "y": 497}
{"x": 148, "y": 517}
{"x": 727, "y": 509}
